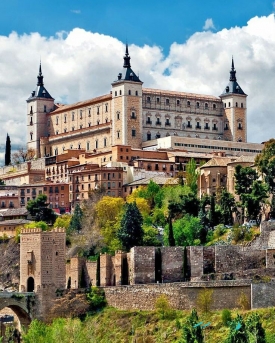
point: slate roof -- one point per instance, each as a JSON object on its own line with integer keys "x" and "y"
{"x": 233, "y": 87}
{"x": 14, "y": 212}
{"x": 14, "y": 222}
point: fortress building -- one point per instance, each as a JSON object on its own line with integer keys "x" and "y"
{"x": 136, "y": 116}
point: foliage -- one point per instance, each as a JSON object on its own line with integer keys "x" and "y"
{"x": 23, "y": 155}
{"x": 96, "y": 298}
{"x": 33, "y": 225}
{"x": 63, "y": 221}
{"x": 205, "y": 300}
{"x": 150, "y": 237}
{"x": 219, "y": 231}
{"x": 238, "y": 332}
{"x": 191, "y": 175}
{"x": 255, "y": 330}
{"x": 8, "y": 151}
{"x": 130, "y": 232}
{"x": 186, "y": 231}
{"x": 227, "y": 207}
{"x": 162, "y": 306}
{"x": 265, "y": 162}
{"x": 192, "y": 331}
{"x": 38, "y": 208}
{"x": 243, "y": 302}
{"x": 76, "y": 220}
{"x": 226, "y": 317}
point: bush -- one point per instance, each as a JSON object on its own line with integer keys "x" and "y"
{"x": 162, "y": 306}
{"x": 219, "y": 231}
{"x": 226, "y": 317}
{"x": 96, "y": 298}
{"x": 243, "y": 302}
{"x": 205, "y": 300}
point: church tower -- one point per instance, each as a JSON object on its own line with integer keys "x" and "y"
{"x": 38, "y": 105}
{"x": 127, "y": 107}
{"x": 234, "y": 102}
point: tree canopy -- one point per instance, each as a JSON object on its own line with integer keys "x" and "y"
{"x": 39, "y": 209}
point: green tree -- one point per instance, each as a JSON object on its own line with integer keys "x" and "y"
{"x": 8, "y": 151}
{"x": 38, "y": 208}
{"x": 76, "y": 220}
{"x": 265, "y": 162}
{"x": 244, "y": 178}
{"x": 255, "y": 329}
{"x": 33, "y": 225}
{"x": 191, "y": 175}
{"x": 130, "y": 232}
{"x": 205, "y": 300}
{"x": 187, "y": 231}
{"x": 192, "y": 331}
{"x": 227, "y": 206}
{"x": 63, "y": 221}
{"x": 238, "y": 332}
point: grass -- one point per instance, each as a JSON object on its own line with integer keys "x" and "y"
{"x": 112, "y": 325}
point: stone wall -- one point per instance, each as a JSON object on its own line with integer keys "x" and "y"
{"x": 263, "y": 295}
{"x": 182, "y": 296}
{"x": 172, "y": 263}
{"x": 143, "y": 265}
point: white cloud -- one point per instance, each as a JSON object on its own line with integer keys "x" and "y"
{"x": 76, "y": 11}
{"x": 79, "y": 65}
{"x": 209, "y": 24}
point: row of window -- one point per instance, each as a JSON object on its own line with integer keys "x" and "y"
{"x": 73, "y": 114}
{"x": 106, "y": 185}
{"x": 216, "y": 147}
{"x": 178, "y": 102}
{"x": 129, "y": 92}
{"x": 236, "y": 104}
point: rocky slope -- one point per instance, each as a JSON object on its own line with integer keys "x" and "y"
{"x": 9, "y": 265}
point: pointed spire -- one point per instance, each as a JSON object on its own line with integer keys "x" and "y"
{"x": 40, "y": 77}
{"x": 232, "y": 72}
{"x": 127, "y": 58}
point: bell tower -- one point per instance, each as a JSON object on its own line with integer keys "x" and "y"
{"x": 234, "y": 116}
{"x": 127, "y": 107}
{"x": 39, "y": 104}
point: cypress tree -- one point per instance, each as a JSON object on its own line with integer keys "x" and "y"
{"x": 8, "y": 151}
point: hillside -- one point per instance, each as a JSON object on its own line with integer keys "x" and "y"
{"x": 9, "y": 265}
{"x": 112, "y": 325}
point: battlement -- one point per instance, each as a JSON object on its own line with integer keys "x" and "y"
{"x": 30, "y": 231}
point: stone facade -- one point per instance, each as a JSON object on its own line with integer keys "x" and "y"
{"x": 131, "y": 115}
{"x": 42, "y": 259}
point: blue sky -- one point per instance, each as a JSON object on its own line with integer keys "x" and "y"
{"x": 176, "y": 45}
{"x": 140, "y": 21}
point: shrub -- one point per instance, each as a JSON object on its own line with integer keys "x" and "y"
{"x": 226, "y": 317}
{"x": 243, "y": 302}
{"x": 96, "y": 298}
{"x": 162, "y": 306}
{"x": 219, "y": 231}
{"x": 205, "y": 300}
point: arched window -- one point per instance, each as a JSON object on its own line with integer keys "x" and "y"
{"x": 129, "y": 92}
{"x": 198, "y": 104}
{"x": 206, "y": 105}
{"x": 214, "y": 106}
{"x": 236, "y": 104}
{"x": 31, "y": 134}
{"x": 188, "y": 103}
{"x": 241, "y": 105}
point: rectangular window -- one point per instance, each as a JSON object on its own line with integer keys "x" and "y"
{"x": 133, "y": 133}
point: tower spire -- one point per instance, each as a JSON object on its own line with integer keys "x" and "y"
{"x": 40, "y": 77}
{"x": 232, "y": 72}
{"x": 127, "y": 58}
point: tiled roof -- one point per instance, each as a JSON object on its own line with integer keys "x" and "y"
{"x": 14, "y": 212}
{"x": 82, "y": 103}
{"x": 160, "y": 180}
{"x": 183, "y": 94}
{"x": 247, "y": 159}
{"x": 14, "y": 222}
{"x": 217, "y": 162}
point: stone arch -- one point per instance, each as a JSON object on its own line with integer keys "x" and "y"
{"x": 19, "y": 307}
{"x": 30, "y": 284}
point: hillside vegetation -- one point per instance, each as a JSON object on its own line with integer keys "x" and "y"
{"x": 162, "y": 325}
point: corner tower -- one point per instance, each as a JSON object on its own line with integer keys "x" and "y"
{"x": 127, "y": 107}
{"x": 38, "y": 105}
{"x": 234, "y": 102}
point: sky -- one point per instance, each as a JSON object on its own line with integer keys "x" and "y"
{"x": 176, "y": 45}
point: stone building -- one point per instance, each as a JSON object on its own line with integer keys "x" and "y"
{"x": 133, "y": 115}
{"x": 42, "y": 259}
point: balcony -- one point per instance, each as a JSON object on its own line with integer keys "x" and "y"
{"x": 189, "y": 126}
{"x": 206, "y": 128}
{"x": 214, "y": 128}
{"x": 149, "y": 122}
{"x": 198, "y": 127}
{"x": 158, "y": 122}
{"x": 167, "y": 124}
